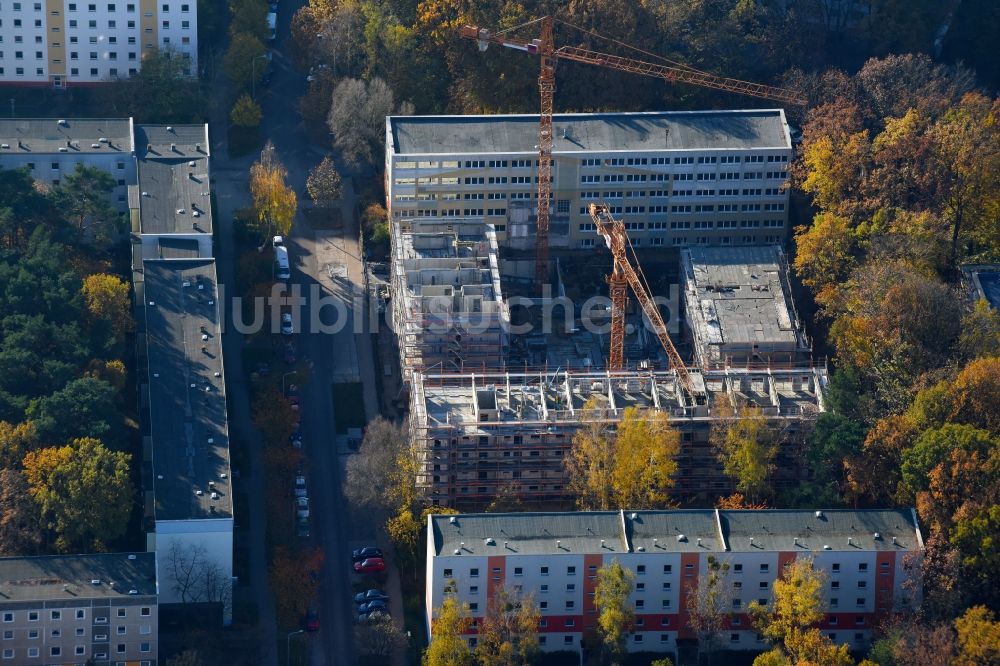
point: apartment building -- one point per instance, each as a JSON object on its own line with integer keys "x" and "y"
{"x": 62, "y": 44}
{"x": 676, "y": 178}
{"x": 79, "y": 609}
{"x": 478, "y": 433}
{"x": 738, "y": 307}
{"x": 448, "y": 309}
{"x": 870, "y": 559}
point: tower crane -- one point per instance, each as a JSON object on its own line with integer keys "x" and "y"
{"x": 544, "y": 47}
{"x": 624, "y": 275}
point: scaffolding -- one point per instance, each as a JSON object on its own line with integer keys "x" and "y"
{"x": 448, "y": 308}
{"x": 478, "y": 433}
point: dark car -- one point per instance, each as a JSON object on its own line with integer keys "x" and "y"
{"x": 364, "y": 553}
{"x": 371, "y": 595}
{"x": 371, "y": 565}
{"x": 312, "y": 620}
{"x": 371, "y": 618}
{"x": 371, "y": 606}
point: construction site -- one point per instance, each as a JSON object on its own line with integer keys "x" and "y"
{"x": 651, "y": 278}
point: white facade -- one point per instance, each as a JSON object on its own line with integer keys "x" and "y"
{"x": 676, "y": 179}
{"x": 61, "y": 43}
{"x": 866, "y": 579}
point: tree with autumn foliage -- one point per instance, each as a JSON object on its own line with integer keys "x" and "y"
{"x": 108, "y": 299}
{"x": 508, "y": 633}
{"x": 274, "y": 417}
{"x": 274, "y": 201}
{"x": 746, "y": 446}
{"x": 448, "y": 644}
{"x": 294, "y": 579}
{"x": 324, "y": 183}
{"x": 615, "y": 613}
{"x": 84, "y": 491}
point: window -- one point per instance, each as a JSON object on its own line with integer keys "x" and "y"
{"x": 542, "y": 605}
{"x": 834, "y": 602}
{"x": 543, "y": 588}
{"x": 33, "y": 633}
{"x": 638, "y": 638}
{"x": 570, "y": 571}
{"x": 641, "y": 569}
{"x": 473, "y": 606}
{"x": 80, "y": 631}
{"x": 860, "y": 601}
{"x": 666, "y": 586}
{"x": 8, "y": 653}
{"x": 835, "y": 585}
{"x": 518, "y": 571}
{"x": 665, "y": 603}
{"x": 737, "y": 603}
{"x": 862, "y": 584}
{"x": 474, "y": 573}
{"x": 544, "y": 571}
{"x": 734, "y": 638}
{"x": 473, "y": 589}
{"x": 763, "y": 584}
{"x": 33, "y": 652}
{"x": 55, "y": 651}
{"x": 764, "y": 568}
{"x": 570, "y": 604}
{"x": 56, "y": 615}
{"x": 570, "y": 622}
{"x": 56, "y": 633}
{"x": 80, "y": 650}
{"x": 862, "y": 566}
{"x": 567, "y": 640}
{"x": 571, "y": 587}
{"x": 835, "y": 567}
{"x": 120, "y": 648}
{"x": 120, "y": 629}
{"x": 446, "y": 573}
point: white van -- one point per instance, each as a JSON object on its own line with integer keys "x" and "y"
{"x": 282, "y": 268}
{"x": 272, "y": 26}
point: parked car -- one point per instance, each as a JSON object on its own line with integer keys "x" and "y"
{"x": 302, "y": 528}
{"x": 312, "y": 619}
{"x": 294, "y": 402}
{"x": 371, "y": 595}
{"x": 302, "y": 507}
{"x": 377, "y": 616}
{"x": 371, "y": 606}
{"x": 301, "y": 492}
{"x": 359, "y": 554}
{"x": 300, "y": 481}
{"x": 287, "y": 327}
{"x": 371, "y": 565}
{"x": 290, "y": 357}
{"x": 295, "y": 439}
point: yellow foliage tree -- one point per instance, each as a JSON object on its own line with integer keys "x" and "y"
{"x": 978, "y": 638}
{"x": 796, "y": 607}
{"x": 245, "y": 112}
{"x": 632, "y": 467}
{"x": 448, "y": 646}
{"x": 273, "y": 200}
{"x": 108, "y": 299}
{"x": 616, "y": 617}
{"x": 15, "y": 442}
{"x": 823, "y": 258}
{"x": 746, "y": 446}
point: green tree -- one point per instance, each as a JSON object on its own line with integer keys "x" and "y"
{"x": 632, "y": 467}
{"x": 248, "y": 17}
{"x": 834, "y": 440}
{"x": 975, "y": 536}
{"x": 935, "y": 446}
{"x": 980, "y": 331}
{"x": 274, "y": 417}
{"x": 978, "y": 638}
{"x": 240, "y": 62}
{"x": 85, "y": 407}
{"x": 108, "y": 299}
{"x": 186, "y": 658}
{"x": 163, "y": 91}
{"x": 448, "y": 645}
{"x": 746, "y": 446}
{"x": 324, "y": 183}
{"x": 84, "y": 196}
{"x": 84, "y": 492}
{"x": 20, "y": 522}
{"x": 616, "y": 617}
{"x": 245, "y": 112}
{"x": 508, "y": 633}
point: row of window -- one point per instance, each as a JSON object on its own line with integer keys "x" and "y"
{"x": 72, "y": 7}
{"x": 79, "y": 650}
{"x": 716, "y": 159}
{"x": 33, "y": 633}
{"x": 79, "y": 613}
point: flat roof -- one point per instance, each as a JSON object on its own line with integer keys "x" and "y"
{"x": 187, "y": 396}
{"x": 174, "y": 196}
{"x": 985, "y": 280}
{"x": 838, "y": 530}
{"x": 674, "y": 531}
{"x": 172, "y": 141}
{"x": 587, "y": 132}
{"x": 76, "y": 577}
{"x": 26, "y": 136}
{"x": 739, "y": 296}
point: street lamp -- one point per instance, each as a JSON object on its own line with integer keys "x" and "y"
{"x": 253, "y": 75}
{"x": 288, "y": 645}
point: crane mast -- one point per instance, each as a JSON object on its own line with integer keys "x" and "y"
{"x": 544, "y": 47}
{"x": 623, "y": 273}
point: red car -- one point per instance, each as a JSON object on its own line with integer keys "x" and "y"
{"x": 371, "y": 565}
{"x": 312, "y": 620}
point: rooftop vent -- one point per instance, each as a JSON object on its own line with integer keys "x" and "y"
{"x": 169, "y": 128}
{"x": 152, "y": 302}
{"x": 699, "y": 541}
{"x": 104, "y": 139}
{"x": 191, "y": 163}
{"x": 211, "y": 440}
{"x": 681, "y": 538}
{"x": 145, "y": 194}
{"x": 795, "y": 540}
{"x": 490, "y": 541}
{"x": 63, "y": 123}
{"x": 159, "y": 477}
{"x": 893, "y": 541}
{"x": 223, "y": 476}
{"x": 95, "y": 145}
{"x": 558, "y": 544}
{"x": 180, "y": 211}
{"x": 215, "y": 496}
{"x": 641, "y": 549}
{"x": 211, "y": 484}
{"x": 186, "y": 283}
{"x": 199, "y": 493}
{"x": 5, "y": 146}
{"x": 173, "y": 147}
{"x": 877, "y": 536}
{"x": 63, "y": 149}
{"x": 196, "y": 214}
{"x": 819, "y": 514}
{"x": 633, "y": 515}
{"x": 458, "y": 552}
{"x": 133, "y": 591}
{"x": 95, "y": 581}
{"x": 827, "y": 547}
{"x": 131, "y": 556}
{"x": 850, "y": 541}
{"x": 453, "y": 520}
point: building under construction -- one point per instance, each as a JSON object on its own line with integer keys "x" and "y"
{"x": 448, "y": 310}
{"x": 481, "y": 433}
{"x": 738, "y": 307}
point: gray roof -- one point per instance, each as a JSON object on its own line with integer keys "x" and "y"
{"x": 739, "y": 296}
{"x": 166, "y": 141}
{"x": 674, "y": 531}
{"x": 174, "y": 196}
{"x": 187, "y": 401}
{"x": 583, "y": 132}
{"x": 529, "y": 533}
{"x": 985, "y": 280}
{"x": 47, "y": 135}
{"x": 73, "y": 577}
{"x": 176, "y": 248}
{"x": 775, "y": 529}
